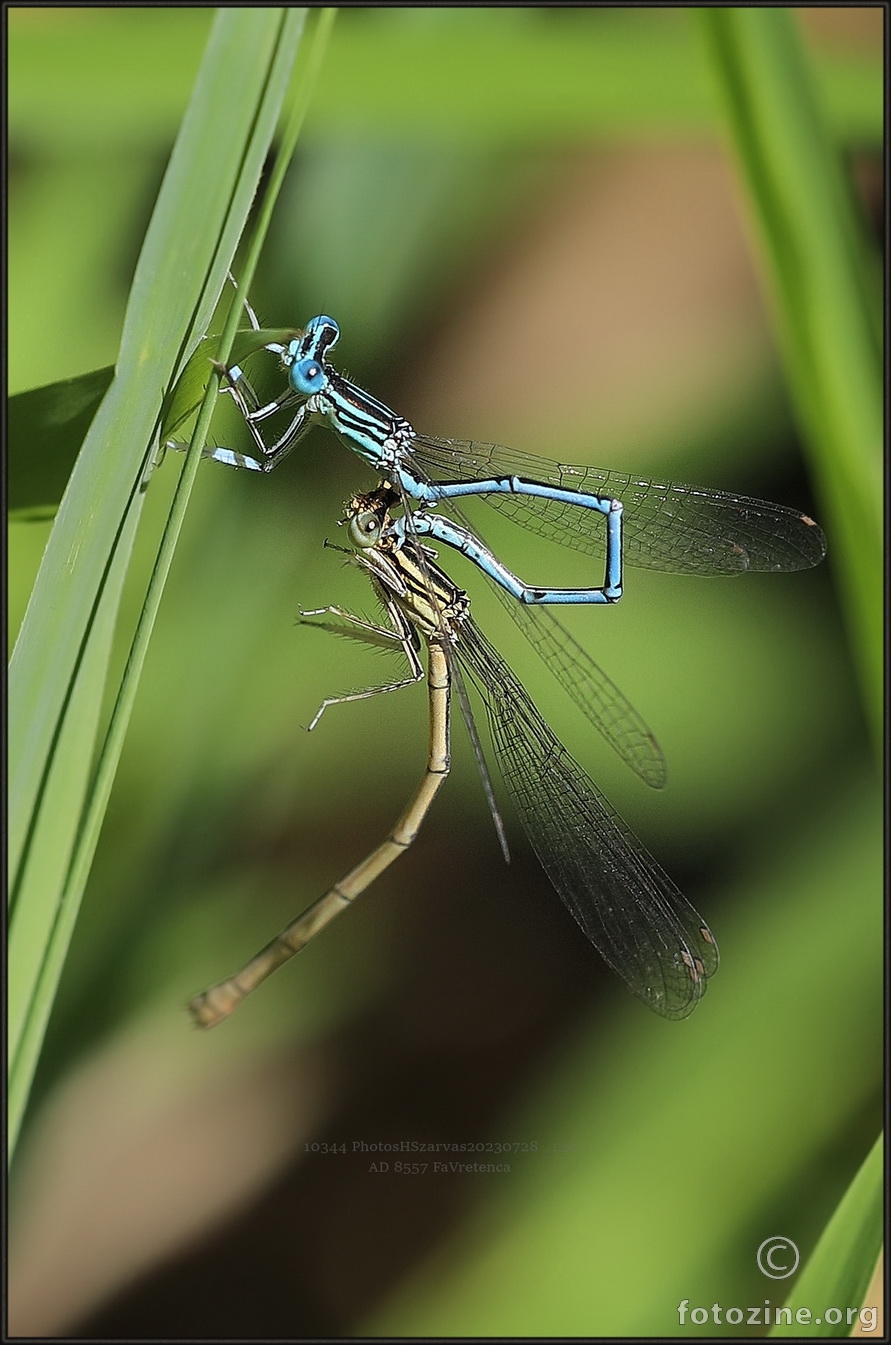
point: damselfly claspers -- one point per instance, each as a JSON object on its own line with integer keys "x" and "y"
{"x": 649, "y": 523}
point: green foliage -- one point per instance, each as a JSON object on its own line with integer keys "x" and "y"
{"x": 840, "y": 1269}
{"x": 46, "y": 428}
{"x": 58, "y": 668}
{"x": 432, "y": 150}
{"x": 824, "y": 288}
{"x": 616, "y": 71}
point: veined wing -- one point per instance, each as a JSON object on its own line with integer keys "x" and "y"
{"x": 627, "y": 906}
{"x": 599, "y": 699}
{"x": 666, "y": 525}
{"x": 605, "y": 707}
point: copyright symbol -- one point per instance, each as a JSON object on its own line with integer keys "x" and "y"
{"x": 778, "y": 1258}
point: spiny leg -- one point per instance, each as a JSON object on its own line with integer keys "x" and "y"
{"x": 371, "y": 634}
{"x": 240, "y": 388}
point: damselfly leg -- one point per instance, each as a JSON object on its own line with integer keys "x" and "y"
{"x": 216, "y": 1003}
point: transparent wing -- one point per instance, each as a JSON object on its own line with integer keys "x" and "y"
{"x": 605, "y": 707}
{"x": 599, "y": 699}
{"x": 667, "y": 526}
{"x": 479, "y": 756}
{"x": 627, "y": 906}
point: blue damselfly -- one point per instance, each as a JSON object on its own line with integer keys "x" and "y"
{"x": 653, "y": 524}
{"x": 648, "y": 523}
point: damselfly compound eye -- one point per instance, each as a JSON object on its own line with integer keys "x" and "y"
{"x": 307, "y": 376}
{"x": 365, "y": 529}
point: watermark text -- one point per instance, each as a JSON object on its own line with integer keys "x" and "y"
{"x": 767, "y": 1314}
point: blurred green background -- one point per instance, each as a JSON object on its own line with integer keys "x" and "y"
{"x": 529, "y": 229}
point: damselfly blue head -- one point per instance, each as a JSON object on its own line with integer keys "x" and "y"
{"x": 305, "y": 358}
{"x": 320, "y": 335}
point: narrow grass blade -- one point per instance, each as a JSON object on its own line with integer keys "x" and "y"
{"x": 46, "y": 427}
{"x": 825, "y": 290}
{"x": 839, "y": 1272}
{"x": 57, "y": 676}
{"x": 45, "y": 430}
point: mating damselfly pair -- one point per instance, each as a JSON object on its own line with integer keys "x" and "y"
{"x": 626, "y": 905}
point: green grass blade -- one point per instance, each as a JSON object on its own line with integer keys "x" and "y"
{"x": 89, "y": 826}
{"x": 46, "y": 428}
{"x": 825, "y": 296}
{"x": 839, "y": 1272}
{"x": 171, "y": 302}
{"x": 57, "y": 676}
